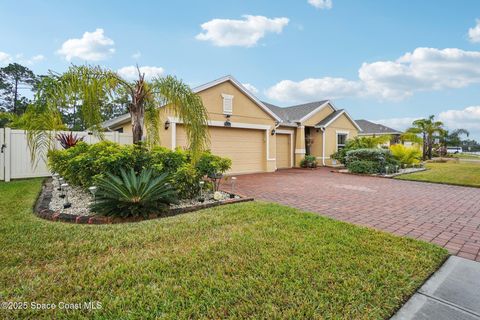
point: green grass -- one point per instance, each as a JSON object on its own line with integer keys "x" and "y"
{"x": 467, "y": 156}
{"x": 457, "y": 173}
{"x": 251, "y": 260}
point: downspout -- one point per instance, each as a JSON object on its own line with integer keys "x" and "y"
{"x": 323, "y": 146}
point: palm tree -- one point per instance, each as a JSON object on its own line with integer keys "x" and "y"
{"x": 429, "y": 129}
{"x": 91, "y": 87}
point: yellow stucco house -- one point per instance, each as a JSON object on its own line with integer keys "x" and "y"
{"x": 258, "y": 136}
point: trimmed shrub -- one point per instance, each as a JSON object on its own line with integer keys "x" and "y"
{"x": 210, "y": 164}
{"x": 380, "y": 158}
{"x": 363, "y": 167}
{"x": 186, "y": 180}
{"x": 84, "y": 165}
{"x": 309, "y": 162}
{"x": 360, "y": 143}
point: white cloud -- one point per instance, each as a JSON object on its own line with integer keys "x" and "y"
{"x": 468, "y": 118}
{"x": 474, "y": 33}
{"x": 244, "y": 33}
{"x": 5, "y": 58}
{"x": 321, "y": 4}
{"x": 250, "y": 87}
{"x": 424, "y": 69}
{"x": 33, "y": 60}
{"x": 38, "y": 57}
{"x": 92, "y": 46}
{"x": 131, "y": 72}
{"x": 137, "y": 55}
{"x": 420, "y": 70}
{"x": 314, "y": 89}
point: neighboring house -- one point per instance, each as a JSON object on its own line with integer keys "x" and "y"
{"x": 258, "y": 136}
{"x": 370, "y": 129}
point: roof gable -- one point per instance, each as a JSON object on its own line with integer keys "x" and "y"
{"x": 244, "y": 90}
{"x": 334, "y": 116}
{"x": 300, "y": 112}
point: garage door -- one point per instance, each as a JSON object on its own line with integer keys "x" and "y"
{"x": 245, "y": 147}
{"x": 283, "y": 151}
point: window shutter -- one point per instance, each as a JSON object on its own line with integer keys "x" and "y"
{"x": 227, "y": 104}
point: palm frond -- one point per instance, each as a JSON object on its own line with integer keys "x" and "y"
{"x": 188, "y": 107}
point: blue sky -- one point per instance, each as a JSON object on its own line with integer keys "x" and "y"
{"x": 392, "y": 61}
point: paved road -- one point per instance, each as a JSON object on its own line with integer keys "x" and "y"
{"x": 446, "y": 215}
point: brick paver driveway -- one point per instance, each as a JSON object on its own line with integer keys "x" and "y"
{"x": 442, "y": 214}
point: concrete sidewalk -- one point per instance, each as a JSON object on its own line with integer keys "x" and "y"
{"x": 453, "y": 292}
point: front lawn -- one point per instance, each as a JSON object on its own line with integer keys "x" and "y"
{"x": 252, "y": 260}
{"x": 467, "y": 156}
{"x": 458, "y": 173}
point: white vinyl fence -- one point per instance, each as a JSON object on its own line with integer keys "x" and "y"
{"x": 15, "y": 160}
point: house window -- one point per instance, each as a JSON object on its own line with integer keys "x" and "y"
{"x": 341, "y": 140}
{"x": 227, "y": 103}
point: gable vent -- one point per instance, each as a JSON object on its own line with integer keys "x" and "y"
{"x": 227, "y": 103}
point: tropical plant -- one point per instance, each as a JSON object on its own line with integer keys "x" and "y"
{"x": 406, "y": 155}
{"x": 68, "y": 140}
{"x": 309, "y": 162}
{"x": 411, "y": 137}
{"x": 94, "y": 88}
{"x": 132, "y": 195}
{"x": 429, "y": 129}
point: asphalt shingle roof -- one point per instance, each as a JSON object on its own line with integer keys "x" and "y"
{"x": 329, "y": 117}
{"x": 296, "y": 112}
{"x": 369, "y": 127}
{"x": 115, "y": 121}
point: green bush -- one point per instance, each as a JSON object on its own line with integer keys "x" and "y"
{"x": 308, "y": 162}
{"x": 132, "y": 194}
{"x": 362, "y": 166}
{"x": 187, "y": 181}
{"x": 84, "y": 165}
{"x": 360, "y": 143}
{"x": 210, "y": 164}
{"x": 380, "y": 158}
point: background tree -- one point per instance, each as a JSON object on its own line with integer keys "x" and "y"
{"x": 453, "y": 138}
{"x": 14, "y": 78}
{"x": 429, "y": 129}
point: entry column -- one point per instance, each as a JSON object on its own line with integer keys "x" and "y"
{"x": 299, "y": 145}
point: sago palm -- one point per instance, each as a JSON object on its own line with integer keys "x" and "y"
{"x": 133, "y": 195}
